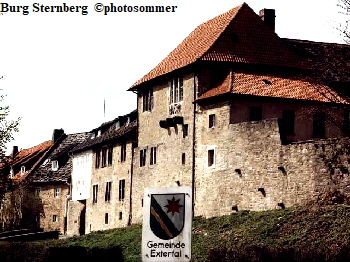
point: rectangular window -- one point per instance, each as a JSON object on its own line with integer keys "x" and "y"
{"x": 2, "y": 201}
{"x": 183, "y": 158}
{"x": 318, "y": 125}
{"x": 211, "y": 157}
{"x": 97, "y": 159}
{"x": 56, "y": 192}
{"x": 123, "y": 152}
{"x": 106, "y": 218}
{"x": 211, "y": 120}
{"x": 104, "y": 157}
{"x": 110, "y": 155}
{"x": 176, "y": 90}
{"x": 37, "y": 191}
{"x": 153, "y": 158}
{"x": 120, "y": 215}
{"x": 147, "y": 100}
{"x": 94, "y": 194}
{"x": 143, "y": 153}
{"x": 121, "y": 189}
{"x": 185, "y": 130}
{"x": 108, "y": 191}
{"x": 255, "y": 113}
{"x": 288, "y": 121}
{"x": 54, "y": 218}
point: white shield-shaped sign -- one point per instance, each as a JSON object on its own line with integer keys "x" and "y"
{"x": 167, "y": 223}
{"x": 167, "y": 215}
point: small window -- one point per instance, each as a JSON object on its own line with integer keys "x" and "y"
{"x": 104, "y": 157}
{"x": 147, "y": 100}
{"x": 255, "y": 113}
{"x": 23, "y": 170}
{"x": 37, "y": 191}
{"x": 183, "y": 158}
{"x": 211, "y": 120}
{"x": 94, "y": 194}
{"x": 57, "y": 192}
{"x": 319, "y": 125}
{"x": 108, "y": 191}
{"x": 153, "y": 158}
{"x": 54, "y": 218}
{"x": 288, "y": 121}
{"x": 2, "y": 202}
{"x": 110, "y": 155}
{"x": 176, "y": 90}
{"x": 143, "y": 153}
{"x": 99, "y": 133}
{"x": 211, "y": 157}
{"x": 106, "y": 218}
{"x": 120, "y": 215}
{"x": 185, "y": 130}
{"x": 97, "y": 159}
{"x": 54, "y": 165}
{"x": 123, "y": 152}
{"x": 121, "y": 189}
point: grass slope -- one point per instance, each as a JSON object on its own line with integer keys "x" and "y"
{"x": 316, "y": 232}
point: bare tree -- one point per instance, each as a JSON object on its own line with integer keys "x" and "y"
{"x": 345, "y": 6}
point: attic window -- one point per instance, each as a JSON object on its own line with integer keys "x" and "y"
{"x": 98, "y": 133}
{"x": 23, "y": 170}
{"x": 267, "y": 82}
{"x": 54, "y": 165}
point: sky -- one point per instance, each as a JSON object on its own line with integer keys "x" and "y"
{"x": 57, "y": 69}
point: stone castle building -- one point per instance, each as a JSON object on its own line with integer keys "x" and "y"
{"x": 234, "y": 113}
{"x": 245, "y": 118}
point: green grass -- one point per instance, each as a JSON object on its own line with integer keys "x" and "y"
{"x": 319, "y": 231}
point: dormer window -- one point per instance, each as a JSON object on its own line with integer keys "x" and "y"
{"x": 54, "y": 165}
{"x": 23, "y": 170}
{"x": 98, "y": 133}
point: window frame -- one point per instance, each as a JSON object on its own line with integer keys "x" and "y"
{"x": 211, "y": 160}
{"x": 288, "y": 118}
{"x": 94, "y": 193}
{"x": 54, "y": 165}
{"x": 121, "y": 196}
{"x": 97, "y": 158}
{"x": 147, "y": 100}
{"x": 56, "y": 192}
{"x": 108, "y": 191}
{"x": 212, "y": 120}
{"x": 54, "y": 218}
{"x": 123, "y": 152}
{"x": 153, "y": 156}
{"x": 110, "y": 155}
{"x": 104, "y": 157}
{"x": 143, "y": 157}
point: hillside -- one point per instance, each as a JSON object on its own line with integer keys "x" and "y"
{"x": 295, "y": 234}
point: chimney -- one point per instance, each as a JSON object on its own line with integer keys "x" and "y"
{"x": 57, "y": 133}
{"x": 268, "y": 16}
{"x": 14, "y": 151}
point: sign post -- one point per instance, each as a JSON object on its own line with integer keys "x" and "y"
{"x": 167, "y": 224}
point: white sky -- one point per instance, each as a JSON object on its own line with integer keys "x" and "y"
{"x": 58, "y": 67}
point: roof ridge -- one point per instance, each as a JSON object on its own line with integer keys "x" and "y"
{"x": 197, "y": 47}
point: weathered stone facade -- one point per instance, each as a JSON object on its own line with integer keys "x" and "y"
{"x": 118, "y": 207}
{"x": 50, "y": 206}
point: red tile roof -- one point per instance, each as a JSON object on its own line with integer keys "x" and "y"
{"x": 273, "y": 86}
{"x": 32, "y": 154}
{"x": 238, "y": 35}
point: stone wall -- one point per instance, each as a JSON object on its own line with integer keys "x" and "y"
{"x": 253, "y": 170}
{"x": 49, "y": 205}
{"x": 118, "y": 210}
{"x": 170, "y": 142}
